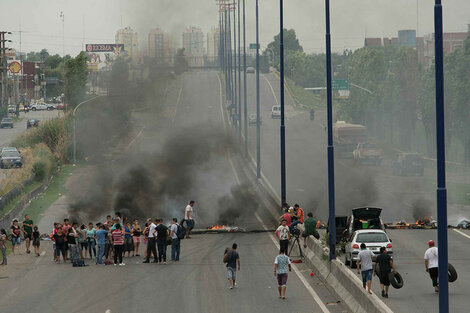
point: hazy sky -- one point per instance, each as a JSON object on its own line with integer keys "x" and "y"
{"x": 96, "y": 21}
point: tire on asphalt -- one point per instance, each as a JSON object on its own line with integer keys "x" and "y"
{"x": 395, "y": 280}
{"x": 452, "y": 273}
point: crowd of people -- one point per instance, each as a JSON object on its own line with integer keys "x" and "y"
{"x": 105, "y": 242}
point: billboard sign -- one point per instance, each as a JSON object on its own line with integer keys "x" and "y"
{"x": 14, "y": 67}
{"x": 110, "y": 48}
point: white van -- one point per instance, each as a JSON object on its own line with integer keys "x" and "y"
{"x": 276, "y": 111}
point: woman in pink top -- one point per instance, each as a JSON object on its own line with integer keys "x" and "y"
{"x": 118, "y": 243}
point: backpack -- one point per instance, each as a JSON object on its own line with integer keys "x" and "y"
{"x": 180, "y": 231}
{"x": 227, "y": 255}
{"x": 78, "y": 263}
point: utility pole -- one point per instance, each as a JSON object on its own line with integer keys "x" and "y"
{"x": 62, "y": 16}
{"x": 283, "y": 127}
{"x": 441, "y": 165}
{"x": 239, "y": 80}
{"x": 330, "y": 148}
{"x": 258, "y": 130}
{"x": 3, "y": 66}
{"x": 235, "y": 103}
{"x": 244, "y": 83}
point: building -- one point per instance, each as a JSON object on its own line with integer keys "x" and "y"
{"x": 158, "y": 45}
{"x": 193, "y": 44}
{"x": 213, "y": 41}
{"x": 128, "y": 37}
{"x": 451, "y": 42}
{"x": 407, "y": 38}
{"x": 380, "y": 42}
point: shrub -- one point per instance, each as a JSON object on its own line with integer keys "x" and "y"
{"x": 44, "y": 162}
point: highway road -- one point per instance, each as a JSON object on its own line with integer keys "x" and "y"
{"x": 197, "y": 283}
{"x": 8, "y": 134}
{"x": 356, "y": 186}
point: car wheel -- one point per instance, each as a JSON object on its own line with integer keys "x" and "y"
{"x": 34, "y": 109}
{"x": 395, "y": 280}
{"x": 346, "y": 261}
{"x": 353, "y": 263}
{"x": 452, "y": 273}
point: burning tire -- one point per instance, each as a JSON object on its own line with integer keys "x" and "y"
{"x": 452, "y": 273}
{"x": 395, "y": 280}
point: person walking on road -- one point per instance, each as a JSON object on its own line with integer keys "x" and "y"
{"x": 101, "y": 235}
{"x": 162, "y": 236}
{"x": 3, "y": 246}
{"x": 282, "y": 266}
{"x": 232, "y": 259}
{"x": 188, "y": 217}
{"x": 175, "y": 241}
{"x": 36, "y": 240}
{"x": 60, "y": 240}
{"x": 151, "y": 243}
{"x": 365, "y": 265}
{"x": 27, "y": 228}
{"x": 310, "y": 225}
{"x": 431, "y": 263}
{"x": 15, "y": 237}
{"x": 118, "y": 243}
{"x": 385, "y": 263}
{"x": 283, "y": 234}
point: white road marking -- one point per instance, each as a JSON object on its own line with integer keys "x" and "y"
{"x": 462, "y": 233}
{"x": 177, "y": 103}
{"x": 107, "y": 311}
{"x": 135, "y": 138}
{"x": 272, "y": 90}
{"x": 297, "y": 272}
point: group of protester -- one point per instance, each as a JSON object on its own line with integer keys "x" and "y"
{"x": 27, "y": 231}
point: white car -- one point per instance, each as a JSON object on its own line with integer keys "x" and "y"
{"x": 276, "y": 111}
{"x": 42, "y": 106}
{"x": 374, "y": 239}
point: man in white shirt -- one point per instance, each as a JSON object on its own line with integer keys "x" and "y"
{"x": 365, "y": 262}
{"x": 151, "y": 244}
{"x": 188, "y": 217}
{"x": 431, "y": 263}
{"x": 283, "y": 233}
{"x": 175, "y": 241}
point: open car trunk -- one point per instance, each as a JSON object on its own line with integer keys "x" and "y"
{"x": 367, "y": 218}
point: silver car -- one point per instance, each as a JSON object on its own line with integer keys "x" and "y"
{"x": 374, "y": 239}
{"x": 252, "y": 120}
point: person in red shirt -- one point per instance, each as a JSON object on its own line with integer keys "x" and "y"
{"x": 286, "y": 216}
{"x": 118, "y": 243}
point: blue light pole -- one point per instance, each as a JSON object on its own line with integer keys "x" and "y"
{"x": 239, "y": 80}
{"x": 441, "y": 166}
{"x": 283, "y": 128}
{"x": 258, "y": 131}
{"x": 330, "y": 149}
{"x": 245, "y": 109}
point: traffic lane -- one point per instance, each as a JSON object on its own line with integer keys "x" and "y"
{"x": 197, "y": 283}
{"x": 417, "y": 294}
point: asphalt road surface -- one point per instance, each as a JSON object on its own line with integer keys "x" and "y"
{"x": 197, "y": 283}
{"x": 8, "y": 134}
{"x": 356, "y": 186}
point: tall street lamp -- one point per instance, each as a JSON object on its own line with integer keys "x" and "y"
{"x": 330, "y": 149}
{"x": 239, "y": 79}
{"x": 245, "y": 109}
{"x": 441, "y": 166}
{"x": 283, "y": 129}
{"x": 258, "y": 130}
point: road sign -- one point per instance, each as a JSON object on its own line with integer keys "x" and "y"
{"x": 253, "y": 46}
{"x": 340, "y": 84}
{"x": 15, "y": 67}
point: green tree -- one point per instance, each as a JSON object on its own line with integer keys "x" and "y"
{"x": 291, "y": 43}
{"x": 76, "y": 75}
{"x": 119, "y": 78}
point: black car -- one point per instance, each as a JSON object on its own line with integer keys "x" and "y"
{"x": 6, "y": 122}
{"x": 32, "y": 123}
{"x": 11, "y": 158}
{"x": 408, "y": 164}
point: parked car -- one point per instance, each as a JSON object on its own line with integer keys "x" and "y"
{"x": 367, "y": 152}
{"x": 6, "y": 122}
{"x": 276, "y": 111}
{"x": 11, "y": 158}
{"x": 8, "y": 149}
{"x": 252, "y": 120}
{"x": 24, "y": 108}
{"x": 408, "y": 164}
{"x": 250, "y": 70}
{"x": 42, "y": 106}
{"x": 361, "y": 218}
{"x": 374, "y": 239}
{"x": 12, "y": 109}
{"x": 32, "y": 123}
